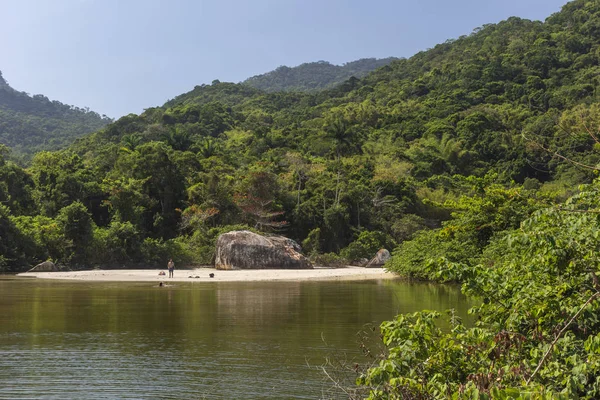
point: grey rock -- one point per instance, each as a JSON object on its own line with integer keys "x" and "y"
{"x": 380, "y": 258}
{"x": 46, "y": 266}
{"x": 248, "y": 250}
{"x": 361, "y": 262}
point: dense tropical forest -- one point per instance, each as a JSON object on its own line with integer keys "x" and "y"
{"x": 315, "y": 76}
{"x": 475, "y": 161}
{"x": 29, "y": 124}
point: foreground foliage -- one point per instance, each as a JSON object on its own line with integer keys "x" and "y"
{"x": 537, "y": 333}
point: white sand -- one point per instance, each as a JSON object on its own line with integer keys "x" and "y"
{"x": 151, "y": 275}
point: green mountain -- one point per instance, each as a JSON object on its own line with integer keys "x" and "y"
{"x": 311, "y": 77}
{"x": 3, "y": 83}
{"x": 32, "y": 123}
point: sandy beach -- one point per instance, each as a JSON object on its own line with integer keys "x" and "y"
{"x": 202, "y": 275}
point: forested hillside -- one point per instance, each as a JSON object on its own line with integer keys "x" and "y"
{"x": 32, "y": 123}
{"x": 344, "y": 171}
{"x": 315, "y": 76}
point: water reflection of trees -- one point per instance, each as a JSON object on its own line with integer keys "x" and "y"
{"x": 237, "y": 310}
{"x": 213, "y": 332}
{"x": 260, "y": 304}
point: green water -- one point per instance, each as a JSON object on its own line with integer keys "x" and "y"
{"x": 266, "y": 340}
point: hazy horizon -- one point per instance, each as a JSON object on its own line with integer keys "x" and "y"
{"x": 118, "y": 58}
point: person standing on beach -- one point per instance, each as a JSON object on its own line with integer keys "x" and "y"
{"x": 171, "y": 266}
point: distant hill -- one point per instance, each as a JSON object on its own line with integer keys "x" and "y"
{"x": 310, "y": 77}
{"x": 3, "y": 83}
{"x": 32, "y": 123}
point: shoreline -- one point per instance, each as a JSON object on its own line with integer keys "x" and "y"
{"x": 202, "y": 275}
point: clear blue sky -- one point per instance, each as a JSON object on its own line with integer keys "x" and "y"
{"x": 121, "y": 56}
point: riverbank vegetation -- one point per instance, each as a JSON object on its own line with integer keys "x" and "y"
{"x": 537, "y": 334}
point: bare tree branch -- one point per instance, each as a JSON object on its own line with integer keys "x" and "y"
{"x": 543, "y": 360}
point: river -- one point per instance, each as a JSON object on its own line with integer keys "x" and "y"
{"x": 258, "y": 340}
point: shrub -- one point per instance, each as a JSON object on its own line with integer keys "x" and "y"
{"x": 311, "y": 245}
{"x": 156, "y": 252}
{"x": 331, "y": 260}
{"x": 367, "y": 245}
{"x": 537, "y": 331}
{"x": 118, "y": 244}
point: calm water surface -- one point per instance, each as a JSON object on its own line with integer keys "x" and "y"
{"x": 95, "y": 340}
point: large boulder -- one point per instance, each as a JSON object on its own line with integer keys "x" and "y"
{"x": 248, "y": 250}
{"x": 380, "y": 258}
{"x": 361, "y": 262}
{"x": 46, "y": 266}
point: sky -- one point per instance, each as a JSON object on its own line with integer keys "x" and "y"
{"x": 122, "y": 56}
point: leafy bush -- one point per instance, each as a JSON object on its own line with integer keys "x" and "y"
{"x": 476, "y": 220}
{"x": 157, "y": 252}
{"x": 311, "y": 245}
{"x": 43, "y": 238}
{"x": 330, "y": 260}
{"x": 411, "y": 258}
{"x": 12, "y": 253}
{"x": 537, "y": 333}
{"x": 77, "y": 227}
{"x": 367, "y": 245}
{"x": 118, "y": 244}
{"x": 406, "y": 227}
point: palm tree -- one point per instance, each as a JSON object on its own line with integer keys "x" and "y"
{"x": 130, "y": 142}
{"x": 338, "y": 131}
{"x": 178, "y": 139}
{"x": 208, "y": 147}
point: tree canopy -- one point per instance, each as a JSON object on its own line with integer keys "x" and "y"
{"x": 315, "y": 76}
{"x": 377, "y": 161}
